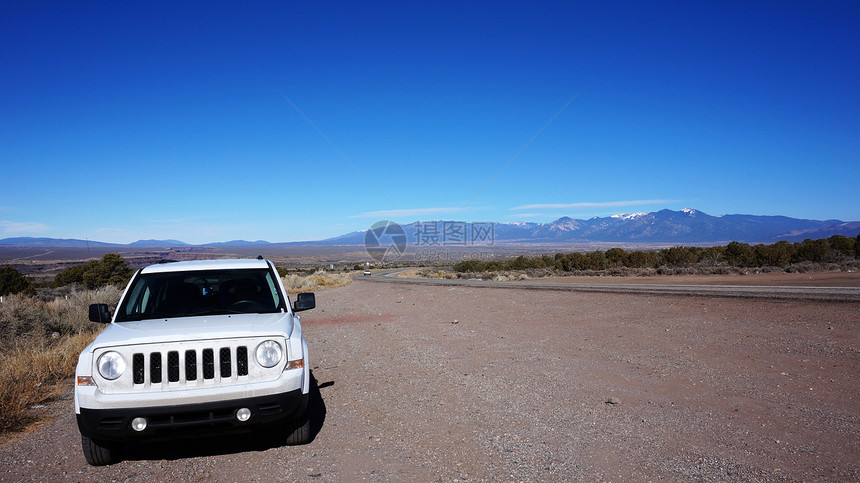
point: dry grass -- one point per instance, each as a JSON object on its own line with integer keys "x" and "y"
{"x": 39, "y": 346}
{"x": 436, "y": 273}
{"x": 33, "y": 373}
{"x": 320, "y": 279}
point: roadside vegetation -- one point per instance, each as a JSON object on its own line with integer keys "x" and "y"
{"x": 43, "y": 328}
{"x": 834, "y": 253}
{"x": 39, "y": 345}
{"x": 295, "y": 283}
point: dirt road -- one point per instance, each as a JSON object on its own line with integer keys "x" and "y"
{"x": 434, "y": 383}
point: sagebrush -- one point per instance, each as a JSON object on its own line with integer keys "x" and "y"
{"x": 321, "y": 279}
{"x": 39, "y": 346}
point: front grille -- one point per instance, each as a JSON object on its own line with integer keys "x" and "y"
{"x": 189, "y": 366}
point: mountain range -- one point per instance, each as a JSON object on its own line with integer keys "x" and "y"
{"x": 664, "y": 226}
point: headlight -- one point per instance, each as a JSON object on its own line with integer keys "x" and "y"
{"x": 269, "y": 353}
{"x": 111, "y": 365}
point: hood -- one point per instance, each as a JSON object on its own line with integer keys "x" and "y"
{"x": 194, "y": 328}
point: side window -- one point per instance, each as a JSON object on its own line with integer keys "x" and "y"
{"x": 144, "y": 301}
{"x": 274, "y": 289}
{"x": 140, "y": 297}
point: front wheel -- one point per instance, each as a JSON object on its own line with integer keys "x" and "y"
{"x": 299, "y": 431}
{"x": 97, "y": 453}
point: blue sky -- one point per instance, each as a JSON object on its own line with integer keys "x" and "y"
{"x": 287, "y": 121}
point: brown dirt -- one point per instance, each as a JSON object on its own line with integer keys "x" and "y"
{"x": 435, "y": 383}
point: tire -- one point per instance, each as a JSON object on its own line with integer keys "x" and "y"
{"x": 97, "y": 453}
{"x": 299, "y": 431}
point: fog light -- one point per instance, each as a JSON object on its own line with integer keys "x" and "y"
{"x": 138, "y": 424}
{"x": 243, "y": 414}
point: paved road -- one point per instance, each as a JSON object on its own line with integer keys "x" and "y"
{"x": 849, "y": 294}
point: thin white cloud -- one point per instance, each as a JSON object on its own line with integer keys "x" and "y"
{"x": 407, "y": 212}
{"x": 586, "y": 205}
{"x": 10, "y": 227}
{"x": 528, "y": 215}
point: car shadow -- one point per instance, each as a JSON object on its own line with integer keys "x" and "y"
{"x": 261, "y": 439}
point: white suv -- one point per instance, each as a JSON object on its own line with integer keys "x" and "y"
{"x": 194, "y": 347}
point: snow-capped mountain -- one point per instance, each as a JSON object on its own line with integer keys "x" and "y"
{"x": 664, "y": 226}
{"x": 686, "y": 226}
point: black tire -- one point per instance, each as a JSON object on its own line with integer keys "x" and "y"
{"x": 299, "y": 431}
{"x": 98, "y": 453}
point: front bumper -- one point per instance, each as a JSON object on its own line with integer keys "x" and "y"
{"x": 201, "y": 418}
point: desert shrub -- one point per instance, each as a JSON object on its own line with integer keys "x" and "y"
{"x": 842, "y": 246}
{"x": 33, "y": 372}
{"x": 616, "y": 257}
{"x": 811, "y": 251}
{"x": 27, "y": 317}
{"x": 39, "y": 345}
{"x": 596, "y": 260}
{"x": 73, "y": 275}
{"x": 438, "y": 273}
{"x": 471, "y": 265}
{"x": 295, "y": 283}
{"x": 712, "y": 256}
{"x": 679, "y": 257}
{"x": 776, "y": 255}
{"x": 11, "y": 281}
{"x": 837, "y": 250}
{"x": 523, "y": 263}
{"x": 574, "y": 261}
{"x": 112, "y": 269}
{"x": 739, "y": 254}
{"x": 639, "y": 259}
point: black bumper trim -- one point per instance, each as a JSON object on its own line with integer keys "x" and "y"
{"x": 168, "y": 421}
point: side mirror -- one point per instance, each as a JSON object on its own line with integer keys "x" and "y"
{"x": 304, "y": 301}
{"x": 99, "y": 313}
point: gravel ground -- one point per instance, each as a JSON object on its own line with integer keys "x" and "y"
{"x": 434, "y": 383}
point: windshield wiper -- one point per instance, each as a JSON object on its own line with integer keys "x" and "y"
{"x": 215, "y": 312}
{"x": 144, "y": 316}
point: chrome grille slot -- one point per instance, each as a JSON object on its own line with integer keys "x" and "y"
{"x": 173, "y": 366}
{"x": 226, "y": 365}
{"x": 155, "y": 368}
{"x": 137, "y": 363}
{"x": 242, "y": 361}
{"x": 208, "y": 364}
{"x": 190, "y": 365}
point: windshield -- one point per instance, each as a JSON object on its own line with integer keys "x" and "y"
{"x": 208, "y": 292}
